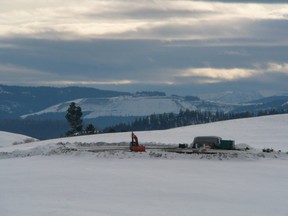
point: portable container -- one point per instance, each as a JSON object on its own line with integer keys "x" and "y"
{"x": 227, "y": 144}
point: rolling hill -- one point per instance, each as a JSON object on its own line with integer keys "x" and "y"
{"x": 38, "y": 179}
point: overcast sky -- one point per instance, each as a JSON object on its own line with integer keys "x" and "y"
{"x": 181, "y": 47}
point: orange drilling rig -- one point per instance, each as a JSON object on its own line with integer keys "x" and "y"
{"x": 134, "y": 145}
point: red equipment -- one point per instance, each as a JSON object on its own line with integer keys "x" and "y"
{"x": 134, "y": 145}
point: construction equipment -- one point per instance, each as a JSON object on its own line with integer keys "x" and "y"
{"x": 134, "y": 145}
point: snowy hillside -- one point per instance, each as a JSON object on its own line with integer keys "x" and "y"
{"x": 9, "y": 139}
{"x": 122, "y": 106}
{"x": 40, "y": 178}
{"x": 233, "y": 96}
{"x": 20, "y": 100}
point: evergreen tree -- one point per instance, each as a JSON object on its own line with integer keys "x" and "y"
{"x": 90, "y": 129}
{"x": 74, "y": 118}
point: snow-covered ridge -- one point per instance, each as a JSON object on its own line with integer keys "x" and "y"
{"x": 285, "y": 104}
{"x": 235, "y": 97}
{"x": 123, "y": 106}
{"x": 141, "y": 105}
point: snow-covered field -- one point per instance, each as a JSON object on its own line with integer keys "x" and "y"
{"x": 9, "y": 139}
{"x": 39, "y": 178}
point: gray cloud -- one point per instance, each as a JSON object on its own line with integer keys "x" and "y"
{"x": 180, "y": 46}
{"x": 145, "y": 62}
{"x": 150, "y": 14}
{"x": 114, "y": 19}
{"x": 272, "y": 30}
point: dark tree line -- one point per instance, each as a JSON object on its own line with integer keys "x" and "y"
{"x": 184, "y": 118}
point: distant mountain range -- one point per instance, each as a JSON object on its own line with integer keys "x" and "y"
{"x": 16, "y": 101}
{"x": 40, "y": 111}
{"x": 52, "y": 103}
{"x": 235, "y": 96}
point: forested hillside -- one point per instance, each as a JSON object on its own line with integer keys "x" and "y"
{"x": 184, "y": 118}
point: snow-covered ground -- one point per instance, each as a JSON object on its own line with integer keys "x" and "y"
{"x": 8, "y": 139}
{"x": 41, "y": 178}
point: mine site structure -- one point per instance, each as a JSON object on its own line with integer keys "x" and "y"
{"x": 200, "y": 145}
{"x": 212, "y": 142}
